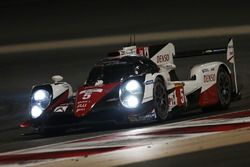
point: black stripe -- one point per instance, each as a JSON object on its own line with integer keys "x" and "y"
{"x": 155, "y": 49}
{"x": 204, "y": 52}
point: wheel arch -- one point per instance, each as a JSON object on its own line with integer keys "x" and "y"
{"x": 226, "y": 68}
{"x": 162, "y": 78}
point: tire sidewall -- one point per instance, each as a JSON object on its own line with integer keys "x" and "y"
{"x": 222, "y": 103}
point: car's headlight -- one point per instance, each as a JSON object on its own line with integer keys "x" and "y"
{"x": 36, "y": 111}
{"x": 40, "y": 100}
{"x": 130, "y": 94}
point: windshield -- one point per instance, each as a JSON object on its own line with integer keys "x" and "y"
{"x": 109, "y": 73}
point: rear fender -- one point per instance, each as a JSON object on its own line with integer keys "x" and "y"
{"x": 205, "y": 76}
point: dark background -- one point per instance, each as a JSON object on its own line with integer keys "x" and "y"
{"x": 29, "y": 21}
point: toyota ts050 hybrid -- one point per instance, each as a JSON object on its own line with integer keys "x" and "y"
{"x": 135, "y": 84}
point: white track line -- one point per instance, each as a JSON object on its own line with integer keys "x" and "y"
{"x": 157, "y": 151}
{"x": 121, "y": 39}
{"x": 128, "y": 134}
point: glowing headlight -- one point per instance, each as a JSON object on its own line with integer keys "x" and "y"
{"x": 131, "y": 94}
{"x": 42, "y": 98}
{"x": 36, "y": 111}
{"x": 132, "y": 101}
{"x": 132, "y": 86}
{"x": 40, "y": 95}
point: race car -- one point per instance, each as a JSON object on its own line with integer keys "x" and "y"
{"x": 135, "y": 84}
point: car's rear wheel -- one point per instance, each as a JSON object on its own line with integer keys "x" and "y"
{"x": 224, "y": 88}
{"x": 160, "y": 96}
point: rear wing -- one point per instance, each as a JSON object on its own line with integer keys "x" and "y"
{"x": 228, "y": 50}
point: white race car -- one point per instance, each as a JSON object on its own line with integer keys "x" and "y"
{"x": 135, "y": 84}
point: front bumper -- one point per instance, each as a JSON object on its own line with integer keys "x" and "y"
{"x": 117, "y": 115}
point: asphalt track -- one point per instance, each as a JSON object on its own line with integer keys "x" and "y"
{"x": 19, "y": 71}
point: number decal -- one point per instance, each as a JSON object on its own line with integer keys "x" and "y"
{"x": 180, "y": 95}
{"x": 86, "y": 96}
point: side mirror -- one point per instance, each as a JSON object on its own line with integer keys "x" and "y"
{"x": 57, "y": 78}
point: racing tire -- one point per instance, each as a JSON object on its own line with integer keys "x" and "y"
{"x": 224, "y": 88}
{"x": 160, "y": 100}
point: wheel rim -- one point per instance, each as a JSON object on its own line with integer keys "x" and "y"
{"x": 224, "y": 88}
{"x": 160, "y": 95}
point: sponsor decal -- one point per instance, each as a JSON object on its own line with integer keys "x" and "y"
{"x": 146, "y": 52}
{"x": 61, "y": 108}
{"x": 140, "y": 51}
{"x": 149, "y": 82}
{"x": 82, "y": 104}
{"x": 143, "y": 51}
{"x": 209, "y": 78}
{"x": 171, "y": 66}
{"x": 205, "y": 70}
{"x": 171, "y": 101}
{"x": 87, "y": 93}
{"x": 148, "y": 117}
{"x": 128, "y": 51}
{"x": 88, "y": 97}
{"x": 162, "y": 58}
{"x": 96, "y": 90}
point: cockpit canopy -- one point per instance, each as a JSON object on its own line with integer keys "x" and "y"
{"x": 117, "y": 69}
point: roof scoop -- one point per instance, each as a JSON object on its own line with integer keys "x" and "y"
{"x": 57, "y": 78}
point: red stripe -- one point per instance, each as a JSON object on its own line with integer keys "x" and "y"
{"x": 183, "y": 130}
{"x": 241, "y": 114}
{"x": 61, "y": 99}
{"x": 15, "y": 158}
{"x": 199, "y": 129}
{"x": 209, "y": 97}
